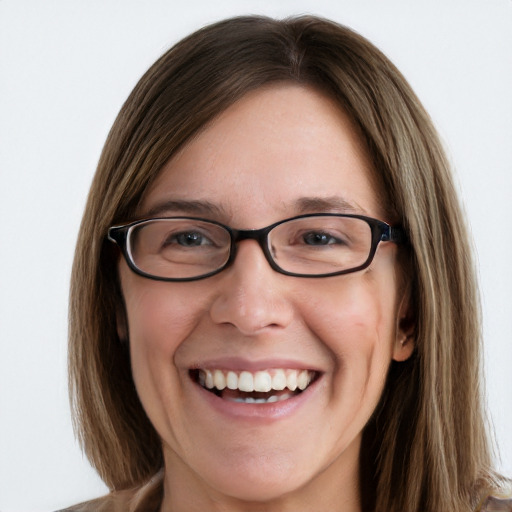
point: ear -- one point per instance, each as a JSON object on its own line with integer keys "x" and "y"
{"x": 121, "y": 323}
{"x": 405, "y": 328}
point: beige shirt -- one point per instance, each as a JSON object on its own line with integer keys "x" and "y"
{"x": 493, "y": 504}
{"x": 148, "y": 498}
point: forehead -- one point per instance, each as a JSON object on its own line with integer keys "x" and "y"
{"x": 275, "y": 149}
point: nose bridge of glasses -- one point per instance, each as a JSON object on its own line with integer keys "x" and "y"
{"x": 258, "y": 235}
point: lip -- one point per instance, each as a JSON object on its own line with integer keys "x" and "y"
{"x": 238, "y": 364}
{"x": 261, "y": 413}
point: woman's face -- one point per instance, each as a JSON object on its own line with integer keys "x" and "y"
{"x": 277, "y": 153}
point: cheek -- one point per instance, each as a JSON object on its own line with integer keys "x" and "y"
{"x": 355, "y": 323}
{"x": 355, "y": 319}
{"x": 160, "y": 318}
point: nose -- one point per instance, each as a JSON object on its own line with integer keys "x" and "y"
{"x": 252, "y": 297}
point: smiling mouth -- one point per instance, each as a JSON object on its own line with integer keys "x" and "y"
{"x": 259, "y": 387}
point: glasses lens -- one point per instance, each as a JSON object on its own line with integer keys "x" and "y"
{"x": 178, "y": 248}
{"x": 321, "y": 245}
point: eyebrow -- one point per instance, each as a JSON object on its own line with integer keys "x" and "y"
{"x": 334, "y": 204}
{"x": 186, "y": 206}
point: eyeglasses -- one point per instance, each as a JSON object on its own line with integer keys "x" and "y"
{"x": 314, "y": 245}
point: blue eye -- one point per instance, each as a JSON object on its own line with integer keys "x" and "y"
{"x": 319, "y": 238}
{"x": 189, "y": 239}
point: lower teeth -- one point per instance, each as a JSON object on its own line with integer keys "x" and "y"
{"x": 270, "y": 399}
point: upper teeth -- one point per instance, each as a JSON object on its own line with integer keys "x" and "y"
{"x": 262, "y": 381}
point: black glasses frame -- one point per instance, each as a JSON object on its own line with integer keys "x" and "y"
{"x": 380, "y": 230}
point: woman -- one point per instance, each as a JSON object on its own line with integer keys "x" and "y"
{"x": 273, "y": 304}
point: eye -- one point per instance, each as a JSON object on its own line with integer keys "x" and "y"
{"x": 188, "y": 239}
{"x": 320, "y": 238}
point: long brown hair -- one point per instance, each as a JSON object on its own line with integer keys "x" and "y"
{"x": 425, "y": 448}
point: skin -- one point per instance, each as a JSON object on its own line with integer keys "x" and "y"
{"x": 254, "y": 163}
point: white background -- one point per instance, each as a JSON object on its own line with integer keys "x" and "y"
{"x": 66, "y": 66}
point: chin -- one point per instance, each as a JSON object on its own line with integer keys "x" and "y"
{"x": 263, "y": 487}
{"x": 258, "y": 477}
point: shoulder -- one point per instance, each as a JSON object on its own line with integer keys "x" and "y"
{"x": 146, "y": 498}
{"x": 495, "y": 504}
{"x": 113, "y": 502}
